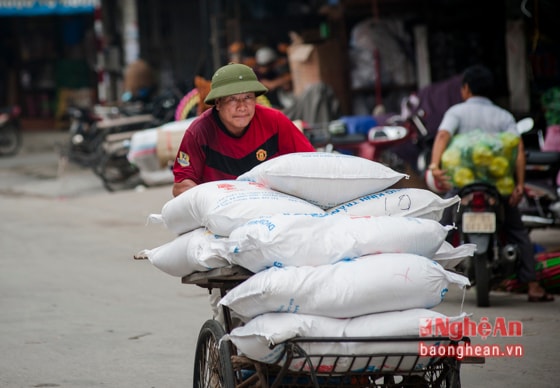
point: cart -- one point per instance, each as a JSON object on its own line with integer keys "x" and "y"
{"x": 218, "y": 365}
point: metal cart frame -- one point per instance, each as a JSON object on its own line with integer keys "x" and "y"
{"x": 217, "y": 363}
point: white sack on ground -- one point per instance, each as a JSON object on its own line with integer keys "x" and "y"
{"x": 450, "y": 257}
{"x": 322, "y": 178}
{"x": 143, "y": 150}
{"x": 407, "y": 202}
{"x": 221, "y": 206}
{"x": 366, "y": 285}
{"x": 305, "y": 239}
{"x": 187, "y": 253}
{"x": 255, "y": 338}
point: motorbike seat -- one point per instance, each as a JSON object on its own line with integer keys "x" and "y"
{"x": 542, "y": 157}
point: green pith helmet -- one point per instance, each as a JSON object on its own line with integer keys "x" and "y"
{"x": 234, "y": 78}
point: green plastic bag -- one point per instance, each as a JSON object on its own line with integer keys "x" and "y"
{"x": 477, "y": 156}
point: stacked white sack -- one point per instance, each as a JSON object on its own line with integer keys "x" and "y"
{"x": 366, "y": 285}
{"x": 450, "y": 257}
{"x": 221, "y": 206}
{"x": 201, "y": 250}
{"x": 187, "y": 253}
{"x": 406, "y": 202}
{"x": 257, "y": 338}
{"x": 322, "y": 178}
{"x": 315, "y": 239}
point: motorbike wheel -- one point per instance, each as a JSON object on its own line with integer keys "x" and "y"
{"x": 117, "y": 173}
{"x": 10, "y": 140}
{"x": 482, "y": 278}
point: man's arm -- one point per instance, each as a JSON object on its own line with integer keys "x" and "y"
{"x": 440, "y": 144}
{"x": 520, "y": 162}
{"x": 277, "y": 82}
{"x": 179, "y": 187}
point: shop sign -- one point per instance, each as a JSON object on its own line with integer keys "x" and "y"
{"x": 46, "y": 7}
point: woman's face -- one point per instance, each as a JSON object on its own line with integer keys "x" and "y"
{"x": 236, "y": 111}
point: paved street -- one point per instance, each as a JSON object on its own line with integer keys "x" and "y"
{"x": 78, "y": 311}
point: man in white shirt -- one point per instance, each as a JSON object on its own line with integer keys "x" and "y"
{"x": 477, "y": 112}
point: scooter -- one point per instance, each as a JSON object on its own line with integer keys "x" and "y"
{"x": 364, "y": 137}
{"x": 479, "y": 219}
{"x": 10, "y": 131}
{"x": 89, "y": 128}
{"x": 99, "y": 138}
{"x": 540, "y": 206}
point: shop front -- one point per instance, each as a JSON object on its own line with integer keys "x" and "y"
{"x": 48, "y": 58}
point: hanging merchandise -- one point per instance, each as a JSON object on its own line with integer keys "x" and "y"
{"x": 390, "y": 40}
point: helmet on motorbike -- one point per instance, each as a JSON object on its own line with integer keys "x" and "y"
{"x": 234, "y": 78}
{"x": 265, "y": 56}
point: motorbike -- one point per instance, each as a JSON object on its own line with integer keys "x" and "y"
{"x": 540, "y": 206}
{"x": 98, "y": 137}
{"x": 89, "y": 128}
{"x": 374, "y": 138}
{"x": 10, "y": 131}
{"x": 479, "y": 220}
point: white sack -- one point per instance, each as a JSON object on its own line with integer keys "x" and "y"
{"x": 255, "y": 338}
{"x": 408, "y": 202}
{"x": 366, "y": 285}
{"x": 186, "y": 254}
{"x": 322, "y": 178}
{"x": 143, "y": 145}
{"x": 221, "y": 206}
{"x": 306, "y": 239}
{"x": 142, "y": 151}
{"x": 450, "y": 257}
{"x": 163, "y": 176}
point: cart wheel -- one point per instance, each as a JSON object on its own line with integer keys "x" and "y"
{"x": 446, "y": 374}
{"x": 453, "y": 375}
{"x": 482, "y": 278}
{"x": 212, "y": 361}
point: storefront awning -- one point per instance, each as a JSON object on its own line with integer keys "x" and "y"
{"x": 46, "y": 7}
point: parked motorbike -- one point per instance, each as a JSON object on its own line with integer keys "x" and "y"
{"x": 479, "y": 220}
{"x": 89, "y": 128}
{"x": 10, "y": 131}
{"x": 377, "y": 141}
{"x": 540, "y": 206}
{"x": 98, "y": 137}
{"x": 115, "y": 170}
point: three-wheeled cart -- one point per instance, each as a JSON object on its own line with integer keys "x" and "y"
{"x": 218, "y": 364}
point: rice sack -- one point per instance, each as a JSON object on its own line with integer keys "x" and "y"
{"x": 366, "y": 285}
{"x": 323, "y": 178}
{"x": 262, "y": 338}
{"x": 311, "y": 239}
{"x": 407, "y": 202}
{"x": 223, "y": 205}
{"x": 187, "y": 253}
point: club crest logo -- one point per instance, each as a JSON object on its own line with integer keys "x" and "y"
{"x": 261, "y": 155}
{"x": 183, "y": 159}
